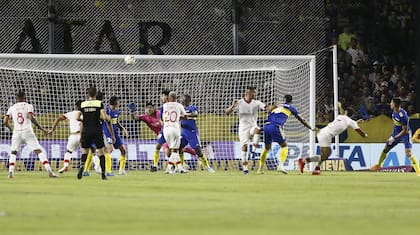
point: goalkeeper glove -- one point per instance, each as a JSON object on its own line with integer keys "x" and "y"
{"x": 132, "y": 107}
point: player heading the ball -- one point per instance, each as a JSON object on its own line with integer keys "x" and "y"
{"x": 334, "y": 128}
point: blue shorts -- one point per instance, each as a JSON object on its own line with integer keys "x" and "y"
{"x": 190, "y": 137}
{"x": 160, "y": 138}
{"x": 118, "y": 141}
{"x": 273, "y": 133}
{"x": 403, "y": 139}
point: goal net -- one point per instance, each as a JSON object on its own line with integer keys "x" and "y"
{"x": 53, "y": 83}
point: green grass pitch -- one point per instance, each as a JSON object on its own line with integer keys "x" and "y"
{"x": 199, "y": 203}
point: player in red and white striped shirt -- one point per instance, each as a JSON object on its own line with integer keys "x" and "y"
{"x": 22, "y": 115}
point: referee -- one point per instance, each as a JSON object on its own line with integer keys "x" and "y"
{"x": 92, "y": 111}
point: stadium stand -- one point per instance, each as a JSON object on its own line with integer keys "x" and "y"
{"x": 375, "y": 63}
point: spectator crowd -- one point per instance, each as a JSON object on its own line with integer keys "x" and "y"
{"x": 376, "y": 53}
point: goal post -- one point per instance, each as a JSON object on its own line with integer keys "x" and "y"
{"x": 53, "y": 82}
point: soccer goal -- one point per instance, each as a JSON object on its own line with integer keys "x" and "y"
{"x": 53, "y": 83}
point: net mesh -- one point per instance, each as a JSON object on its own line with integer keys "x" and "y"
{"x": 54, "y": 84}
{"x": 195, "y": 26}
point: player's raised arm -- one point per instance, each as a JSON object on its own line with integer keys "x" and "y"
{"x": 301, "y": 120}
{"x": 133, "y": 111}
{"x": 231, "y": 108}
{"x": 56, "y": 121}
{"x": 360, "y": 131}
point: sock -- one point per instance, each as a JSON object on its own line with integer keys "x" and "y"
{"x": 181, "y": 157}
{"x": 171, "y": 159}
{"x": 415, "y": 163}
{"x": 67, "y": 157}
{"x": 43, "y": 158}
{"x": 108, "y": 162}
{"x": 102, "y": 163}
{"x": 204, "y": 161}
{"x": 88, "y": 161}
{"x": 12, "y": 162}
{"x": 83, "y": 161}
{"x": 96, "y": 163}
{"x": 156, "y": 156}
{"x": 244, "y": 161}
{"x": 171, "y": 163}
{"x": 263, "y": 157}
{"x": 122, "y": 162}
{"x": 284, "y": 151}
{"x": 177, "y": 160}
{"x": 382, "y": 158}
{"x": 255, "y": 141}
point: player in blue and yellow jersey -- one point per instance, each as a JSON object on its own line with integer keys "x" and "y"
{"x": 189, "y": 132}
{"x": 399, "y": 135}
{"x": 273, "y": 131}
{"x": 113, "y": 137}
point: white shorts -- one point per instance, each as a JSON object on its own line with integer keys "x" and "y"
{"x": 73, "y": 142}
{"x": 172, "y": 136}
{"x": 324, "y": 137}
{"x": 25, "y": 137}
{"x": 245, "y": 134}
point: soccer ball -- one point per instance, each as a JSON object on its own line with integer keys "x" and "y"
{"x": 129, "y": 59}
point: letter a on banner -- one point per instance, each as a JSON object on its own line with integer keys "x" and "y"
{"x": 108, "y": 32}
{"x": 28, "y": 31}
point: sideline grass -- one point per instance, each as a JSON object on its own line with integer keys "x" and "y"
{"x": 200, "y": 203}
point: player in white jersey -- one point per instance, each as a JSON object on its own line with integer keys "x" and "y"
{"x": 73, "y": 141}
{"x": 247, "y": 109}
{"x": 336, "y": 127}
{"x": 22, "y": 115}
{"x": 172, "y": 113}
